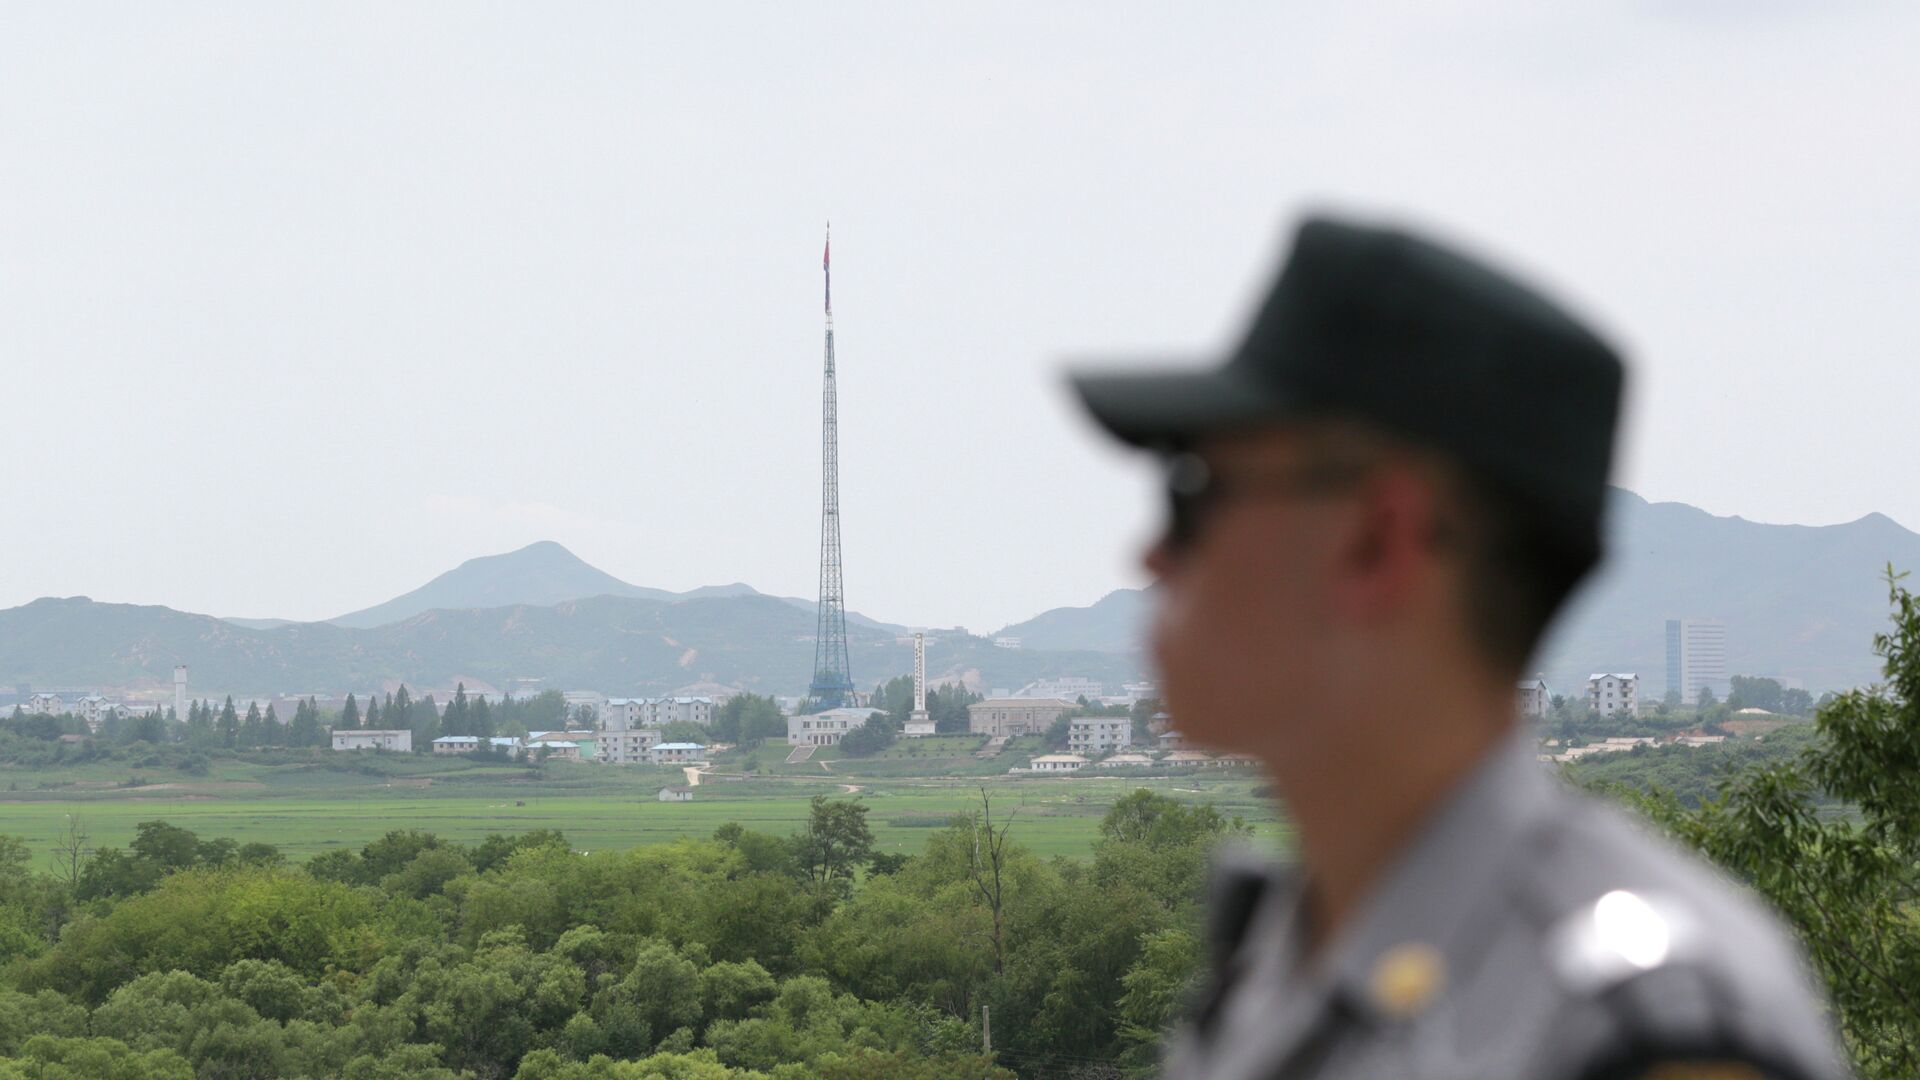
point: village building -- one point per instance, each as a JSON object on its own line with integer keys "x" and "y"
{"x": 1533, "y": 699}
{"x": 676, "y": 794}
{"x": 1610, "y": 694}
{"x": 1127, "y": 761}
{"x": 1010, "y": 717}
{"x": 1098, "y": 735}
{"x": 1057, "y": 763}
{"x": 825, "y": 728}
{"x": 400, "y": 741}
{"x": 675, "y": 753}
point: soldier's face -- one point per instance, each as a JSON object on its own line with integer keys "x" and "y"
{"x": 1242, "y": 593}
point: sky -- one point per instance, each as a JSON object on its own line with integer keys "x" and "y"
{"x": 303, "y": 304}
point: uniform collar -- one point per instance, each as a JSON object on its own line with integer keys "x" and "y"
{"x": 1445, "y": 876}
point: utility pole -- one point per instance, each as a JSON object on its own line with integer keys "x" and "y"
{"x": 986, "y": 1031}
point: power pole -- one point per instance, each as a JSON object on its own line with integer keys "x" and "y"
{"x": 986, "y": 1031}
{"x": 832, "y": 675}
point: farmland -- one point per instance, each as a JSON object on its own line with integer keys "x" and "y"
{"x": 309, "y": 802}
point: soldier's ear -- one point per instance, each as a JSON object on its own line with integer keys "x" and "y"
{"x": 1385, "y": 556}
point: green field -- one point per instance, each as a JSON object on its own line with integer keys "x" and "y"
{"x": 311, "y": 804}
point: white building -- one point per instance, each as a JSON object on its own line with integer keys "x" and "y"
{"x": 628, "y": 746}
{"x": 1066, "y": 687}
{"x": 1057, "y": 763}
{"x": 1172, "y": 740}
{"x": 825, "y": 728}
{"x": 1535, "y": 700}
{"x": 455, "y": 744}
{"x": 675, "y": 753}
{"x": 1013, "y": 716}
{"x": 51, "y": 704}
{"x": 398, "y": 741}
{"x": 620, "y": 714}
{"x": 676, "y": 794}
{"x": 1696, "y": 658}
{"x": 1611, "y": 694}
{"x": 93, "y": 709}
{"x": 1097, "y": 735}
{"x": 1127, "y": 761}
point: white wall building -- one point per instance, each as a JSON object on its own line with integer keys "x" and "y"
{"x": 1057, "y": 763}
{"x": 51, "y": 704}
{"x": 628, "y": 746}
{"x": 1098, "y": 735}
{"x": 675, "y": 753}
{"x": 618, "y": 714}
{"x": 1066, "y": 688}
{"x": 825, "y": 728}
{"x": 1611, "y": 694}
{"x": 1013, "y": 716}
{"x": 455, "y": 744}
{"x": 398, "y": 741}
{"x": 1534, "y": 699}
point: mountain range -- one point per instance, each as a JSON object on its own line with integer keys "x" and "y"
{"x": 1800, "y": 602}
{"x": 537, "y": 612}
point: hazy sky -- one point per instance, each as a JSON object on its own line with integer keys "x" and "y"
{"x": 301, "y": 305}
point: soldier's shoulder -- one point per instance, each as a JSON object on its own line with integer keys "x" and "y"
{"x": 1661, "y": 961}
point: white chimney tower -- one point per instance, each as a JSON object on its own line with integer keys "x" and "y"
{"x": 180, "y": 692}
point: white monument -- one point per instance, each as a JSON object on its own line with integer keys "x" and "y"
{"x": 919, "y": 724}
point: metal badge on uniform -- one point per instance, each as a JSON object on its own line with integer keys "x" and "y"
{"x": 1407, "y": 978}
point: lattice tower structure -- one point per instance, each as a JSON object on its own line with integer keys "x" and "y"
{"x": 832, "y": 676}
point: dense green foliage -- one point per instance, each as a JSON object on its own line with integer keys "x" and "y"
{"x": 1848, "y": 881}
{"x": 745, "y": 955}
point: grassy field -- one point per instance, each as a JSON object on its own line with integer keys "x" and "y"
{"x": 315, "y": 804}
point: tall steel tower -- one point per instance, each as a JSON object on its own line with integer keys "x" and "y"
{"x": 832, "y": 679}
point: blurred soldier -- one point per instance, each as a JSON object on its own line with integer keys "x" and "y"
{"x": 1375, "y": 506}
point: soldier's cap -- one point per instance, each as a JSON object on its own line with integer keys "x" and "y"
{"x": 1397, "y": 332}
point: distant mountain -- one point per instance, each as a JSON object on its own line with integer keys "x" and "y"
{"x": 619, "y": 645}
{"x": 1799, "y": 601}
{"x": 1115, "y": 623}
{"x": 539, "y": 575}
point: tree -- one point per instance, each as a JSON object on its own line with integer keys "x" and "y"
{"x": 350, "y": 714}
{"x": 305, "y": 729}
{"x": 1706, "y": 700}
{"x": 869, "y": 738}
{"x": 749, "y": 719}
{"x": 836, "y": 842}
{"x": 253, "y": 731}
{"x": 229, "y": 724}
{"x": 1846, "y": 881}
{"x": 373, "y": 719}
{"x": 988, "y": 871}
{"x": 454, "y": 721}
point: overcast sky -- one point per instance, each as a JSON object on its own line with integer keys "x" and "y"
{"x": 301, "y": 305}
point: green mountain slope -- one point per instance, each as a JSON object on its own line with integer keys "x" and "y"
{"x": 619, "y": 645}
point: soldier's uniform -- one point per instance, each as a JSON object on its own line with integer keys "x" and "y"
{"x": 1527, "y": 932}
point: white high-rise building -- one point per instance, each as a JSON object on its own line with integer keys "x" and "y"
{"x": 180, "y": 692}
{"x": 1697, "y": 657}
